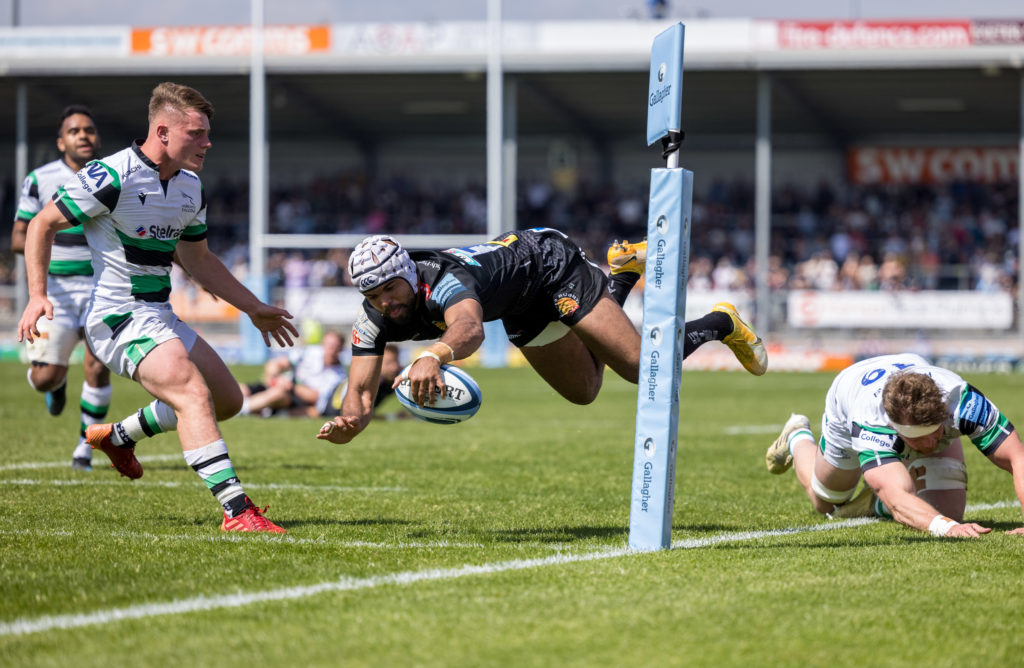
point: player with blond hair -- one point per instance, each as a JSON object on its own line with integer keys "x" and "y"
{"x": 139, "y": 208}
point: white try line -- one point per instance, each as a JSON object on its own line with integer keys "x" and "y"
{"x": 248, "y": 538}
{"x": 45, "y": 623}
{"x": 197, "y": 483}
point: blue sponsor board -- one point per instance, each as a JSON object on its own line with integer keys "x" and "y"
{"x": 665, "y": 91}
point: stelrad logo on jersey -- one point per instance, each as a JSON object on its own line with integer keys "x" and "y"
{"x": 162, "y": 232}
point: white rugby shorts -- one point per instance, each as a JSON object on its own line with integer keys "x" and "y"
{"x": 121, "y": 338}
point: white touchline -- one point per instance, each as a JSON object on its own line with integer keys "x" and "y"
{"x": 61, "y": 465}
{"x": 233, "y": 537}
{"x": 172, "y": 483}
{"x": 19, "y": 627}
{"x": 202, "y": 603}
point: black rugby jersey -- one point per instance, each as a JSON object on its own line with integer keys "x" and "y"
{"x": 504, "y": 275}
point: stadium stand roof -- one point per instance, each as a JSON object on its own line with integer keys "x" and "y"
{"x": 890, "y": 80}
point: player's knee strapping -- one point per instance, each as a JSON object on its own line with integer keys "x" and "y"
{"x": 938, "y": 473}
{"x": 830, "y": 495}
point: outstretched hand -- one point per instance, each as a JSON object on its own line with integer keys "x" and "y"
{"x": 273, "y": 321}
{"x": 1019, "y": 531}
{"x": 340, "y": 430}
{"x": 967, "y": 530}
{"x": 36, "y": 308}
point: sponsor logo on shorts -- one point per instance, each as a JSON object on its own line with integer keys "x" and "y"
{"x": 506, "y": 240}
{"x": 567, "y": 304}
{"x": 838, "y": 452}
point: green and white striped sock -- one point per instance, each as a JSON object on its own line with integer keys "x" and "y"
{"x": 214, "y": 466}
{"x": 151, "y": 420}
{"x": 94, "y": 404}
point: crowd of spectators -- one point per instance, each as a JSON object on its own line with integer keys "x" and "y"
{"x": 827, "y": 237}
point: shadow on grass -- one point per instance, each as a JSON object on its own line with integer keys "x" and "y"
{"x": 705, "y": 528}
{"x": 362, "y": 522}
{"x": 997, "y": 527}
{"x": 557, "y": 534}
{"x": 748, "y": 545}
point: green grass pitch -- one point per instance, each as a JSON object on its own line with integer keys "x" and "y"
{"x": 497, "y": 542}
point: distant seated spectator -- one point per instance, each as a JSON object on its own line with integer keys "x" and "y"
{"x": 700, "y": 274}
{"x": 892, "y": 273}
{"x": 298, "y": 387}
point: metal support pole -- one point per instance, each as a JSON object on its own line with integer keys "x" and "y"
{"x": 254, "y": 351}
{"x": 20, "y": 171}
{"x": 762, "y": 202}
{"x": 510, "y": 151}
{"x": 257, "y": 147}
{"x": 495, "y": 86}
{"x": 1020, "y": 217}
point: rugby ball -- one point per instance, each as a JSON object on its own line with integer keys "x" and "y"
{"x": 461, "y": 402}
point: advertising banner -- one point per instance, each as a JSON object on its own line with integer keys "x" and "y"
{"x": 932, "y": 165}
{"x": 873, "y": 34}
{"x": 926, "y": 309}
{"x": 228, "y": 40}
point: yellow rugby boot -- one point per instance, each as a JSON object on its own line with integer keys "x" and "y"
{"x": 778, "y": 459}
{"x": 624, "y": 256}
{"x": 744, "y": 343}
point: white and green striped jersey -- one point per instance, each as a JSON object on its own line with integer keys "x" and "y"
{"x": 70, "y": 255}
{"x": 133, "y": 222}
{"x": 856, "y": 401}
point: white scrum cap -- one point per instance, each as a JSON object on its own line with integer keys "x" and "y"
{"x": 378, "y": 259}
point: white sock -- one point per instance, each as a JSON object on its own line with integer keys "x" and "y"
{"x": 83, "y": 450}
{"x": 150, "y": 420}
{"x": 805, "y": 433}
